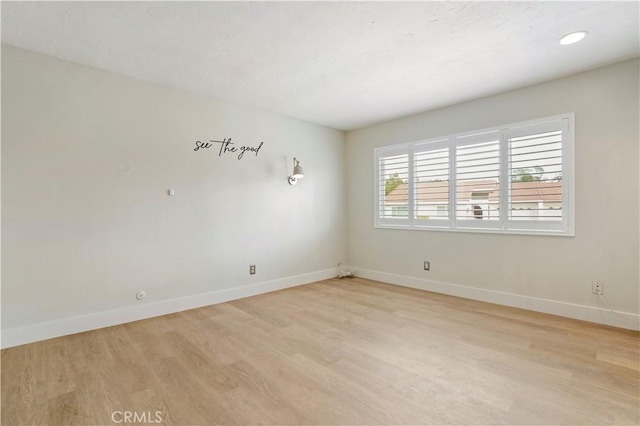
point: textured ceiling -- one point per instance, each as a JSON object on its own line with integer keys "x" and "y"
{"x": 339, "y": 64}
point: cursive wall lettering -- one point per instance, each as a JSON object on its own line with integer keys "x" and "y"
{"x": 226, "y": 146}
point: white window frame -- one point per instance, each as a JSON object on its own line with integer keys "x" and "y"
{"x": 564, "y": 227}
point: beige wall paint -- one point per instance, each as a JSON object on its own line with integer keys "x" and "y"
{"x": 606, "y": 245}
{"x": 87, "y": 159}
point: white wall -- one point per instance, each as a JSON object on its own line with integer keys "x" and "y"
{"x": 87, "y": 159}
{"x": 516, "y": 269}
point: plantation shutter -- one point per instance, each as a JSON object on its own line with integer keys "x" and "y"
{"x": 393, "y": 186}
{"x": 536, "y": 195}
{"x": 477, "y": 166}
{"x": 431, "y": 183}
{"x": 516, "y": 178}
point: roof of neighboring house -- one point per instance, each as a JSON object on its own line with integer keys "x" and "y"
{"x": 437, "y": 191}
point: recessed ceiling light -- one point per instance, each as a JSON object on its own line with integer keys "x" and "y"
{"x": 573, "y": 37}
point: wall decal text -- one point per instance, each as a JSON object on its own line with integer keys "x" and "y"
{"x": 226, "y": 146}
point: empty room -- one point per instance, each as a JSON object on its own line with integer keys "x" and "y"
{"x": 324, "y": 213}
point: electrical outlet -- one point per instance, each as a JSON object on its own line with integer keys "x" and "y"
{"x": 252, "y": 269}
{"x": 427, "y": 265}
{"x": 597, "y": 287}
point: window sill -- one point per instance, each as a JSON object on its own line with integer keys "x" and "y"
{"x": 559, "y": 233}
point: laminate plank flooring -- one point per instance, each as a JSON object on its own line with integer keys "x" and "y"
{"x": 350, "y": 351}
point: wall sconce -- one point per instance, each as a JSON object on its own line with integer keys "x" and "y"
{"x": 297, "y": 172}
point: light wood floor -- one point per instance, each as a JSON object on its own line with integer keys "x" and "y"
{"x": 334, "y": 352}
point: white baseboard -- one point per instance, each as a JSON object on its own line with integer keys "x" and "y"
{"x": 564, "y": 309}
{"x": 50, "y": 329}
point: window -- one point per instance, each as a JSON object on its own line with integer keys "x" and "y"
{"x": 511, "y": 179}
{"x": 393, "y": 189}
{"x": 431, "y": 182}
{"x": 477, "y": 179}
